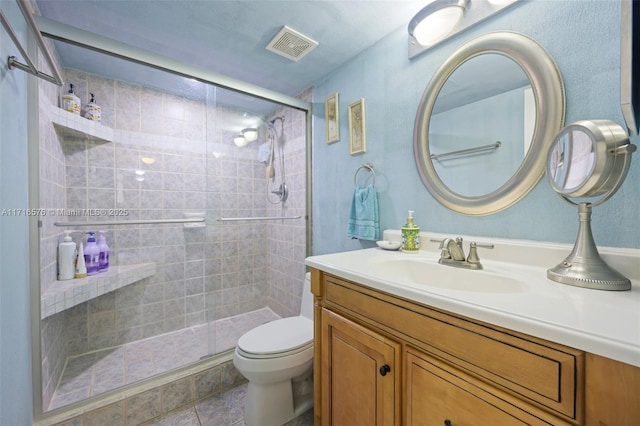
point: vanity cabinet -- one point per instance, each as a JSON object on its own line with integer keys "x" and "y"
{"x": 385, "y": 360}
{"x": 360, "y": 374}
{"x": 439, "y": 394}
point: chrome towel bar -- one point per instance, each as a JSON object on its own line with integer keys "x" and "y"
{"x": 495, "y": 145}
{"x": 131, "y": 222}
{"x": 30, "y": 67}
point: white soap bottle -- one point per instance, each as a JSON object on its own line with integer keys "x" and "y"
{"x": 66, "y": 258}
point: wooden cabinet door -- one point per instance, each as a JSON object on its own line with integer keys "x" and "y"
{"x": 360, "y": 375}
{"x": 440, "y": 395}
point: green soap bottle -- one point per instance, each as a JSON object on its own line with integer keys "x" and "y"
{"x": 410, "y": 235}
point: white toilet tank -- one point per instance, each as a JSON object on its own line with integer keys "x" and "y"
{"x": 306, "y": 306}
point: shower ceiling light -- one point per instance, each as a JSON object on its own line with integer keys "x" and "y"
{"x": 250, "y": 134}
{"x": 240, "y": 141}
{"x": 436, "y": 20}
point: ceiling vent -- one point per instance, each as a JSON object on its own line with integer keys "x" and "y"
{"x": 291, "y": 44}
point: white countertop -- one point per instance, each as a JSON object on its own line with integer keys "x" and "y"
{"x": 605, "y": 323}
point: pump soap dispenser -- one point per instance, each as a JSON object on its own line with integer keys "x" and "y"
{"x": 103, "y": 257}
{"x": 410, "y": 235}
{"x": 70, "y": 102}
{"x": 92, "y": 255}
{"x": 92, "y": 110}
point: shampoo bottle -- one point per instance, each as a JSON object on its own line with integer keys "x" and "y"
{"x": 410, "y": 235}
{"x": 66, "y": 258}
{"x": 92, "y": 110}
{"x": 92, "y": 255}
{"x": 103, "y": 257}
{"x": 70, "y": 102}
{"x": 81, "y": 266}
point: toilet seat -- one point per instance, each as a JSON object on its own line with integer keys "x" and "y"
{"x": 283, "y": 337}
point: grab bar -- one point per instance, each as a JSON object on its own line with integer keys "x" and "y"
{"x": 131, "y": 222}
{"x": 495, "y": 145}
{"x": 30, "y": 67}
{"x": 237, "y": 219}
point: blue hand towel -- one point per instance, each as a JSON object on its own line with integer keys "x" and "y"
{"x": 364, "y": 222}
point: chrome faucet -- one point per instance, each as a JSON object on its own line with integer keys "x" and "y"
{"x": 452, "y": 253}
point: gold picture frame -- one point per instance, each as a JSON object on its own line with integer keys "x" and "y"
{"x": 332, "y": 119}
{"x": 357, "y": 137}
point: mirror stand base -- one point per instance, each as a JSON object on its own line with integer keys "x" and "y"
{"x": 584, "y": 267}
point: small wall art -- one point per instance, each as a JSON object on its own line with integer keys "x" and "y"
{"x": 357, "y": 139}
{"x": 332, "y": 119}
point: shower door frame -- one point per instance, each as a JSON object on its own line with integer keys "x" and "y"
{"x": 68, "y": 34}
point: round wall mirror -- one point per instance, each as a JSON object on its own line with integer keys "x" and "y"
{"x": 485, "y": 123}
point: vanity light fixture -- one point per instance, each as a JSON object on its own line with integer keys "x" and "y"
{"x": 436, "y": 20}
{"x": 588, "y": 158}
{"x": 250, "y": 134}
{"x": 442, "y": 19}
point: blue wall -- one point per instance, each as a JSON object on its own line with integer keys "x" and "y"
{"x": 15, "y": 332}
{"x": 584, "y": 39}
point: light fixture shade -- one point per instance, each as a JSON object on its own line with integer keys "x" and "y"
{"x": 436, "y": 20}
{"x": 250, "y": 134}
{"x": 240, "y": 141}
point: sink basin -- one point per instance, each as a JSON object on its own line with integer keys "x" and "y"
{"x": 428, "y": 273}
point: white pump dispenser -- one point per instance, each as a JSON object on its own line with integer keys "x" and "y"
{"x": 66, "y": 257}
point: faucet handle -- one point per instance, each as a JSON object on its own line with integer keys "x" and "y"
{"x": 473, "y": 251}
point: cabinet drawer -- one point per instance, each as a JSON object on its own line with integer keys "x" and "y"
{"x": 435, "y": 393}
{"x": 541, "y": 372}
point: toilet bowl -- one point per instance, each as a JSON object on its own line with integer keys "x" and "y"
{"x": 277, "y": 359}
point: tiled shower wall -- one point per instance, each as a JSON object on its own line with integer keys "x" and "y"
{"x": 190, "y": 165}
{"x": 287, "y": 239}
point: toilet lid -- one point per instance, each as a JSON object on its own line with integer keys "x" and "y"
{"x": 283, "y": 335}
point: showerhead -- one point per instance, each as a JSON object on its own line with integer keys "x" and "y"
{"x": 281, "y": 118}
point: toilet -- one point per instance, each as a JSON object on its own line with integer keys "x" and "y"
{"x": 277, "y": 359}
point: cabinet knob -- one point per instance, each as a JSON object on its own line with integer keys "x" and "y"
{"x": 448, "y": 423}
{"x": 384, "y": 369}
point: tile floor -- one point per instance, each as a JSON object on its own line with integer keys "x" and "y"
{"x": 224, "y": 409}
{"x": 97, "y": 372}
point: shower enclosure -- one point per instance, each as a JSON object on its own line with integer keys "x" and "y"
{"x": 207, "y": 235}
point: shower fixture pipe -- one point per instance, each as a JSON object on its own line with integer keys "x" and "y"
{"x": 273, "y": 121}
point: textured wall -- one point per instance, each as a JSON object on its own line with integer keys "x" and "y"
{"x": 583, "y": 37}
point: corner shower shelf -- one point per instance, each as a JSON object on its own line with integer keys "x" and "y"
{"x": 73, "y": 125}
{"x": 63, "y": 295}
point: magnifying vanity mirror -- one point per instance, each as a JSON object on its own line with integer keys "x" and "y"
{"x": 588, "y": 159}
{"x": 485, "y": 123}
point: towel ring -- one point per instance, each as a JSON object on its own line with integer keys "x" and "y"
{"x": 367, "y": 166}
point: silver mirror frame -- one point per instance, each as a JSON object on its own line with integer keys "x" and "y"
{"x": 548, "y": 90}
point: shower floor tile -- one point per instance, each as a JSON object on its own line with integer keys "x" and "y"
{"x": 91, "y": 374}
{"x": 224, "y": 409}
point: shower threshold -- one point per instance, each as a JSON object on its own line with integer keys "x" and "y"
{"x": 97, "y": 372}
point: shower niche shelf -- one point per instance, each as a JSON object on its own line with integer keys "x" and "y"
{"x": 72, "y": 125}
{"x": 63, "y": 295}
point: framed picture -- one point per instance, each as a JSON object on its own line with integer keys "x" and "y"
{"x": 357, "y": 140}
{"x": 332, "y": 118}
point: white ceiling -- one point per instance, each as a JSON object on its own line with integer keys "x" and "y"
{"x": 229, "y": 36}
